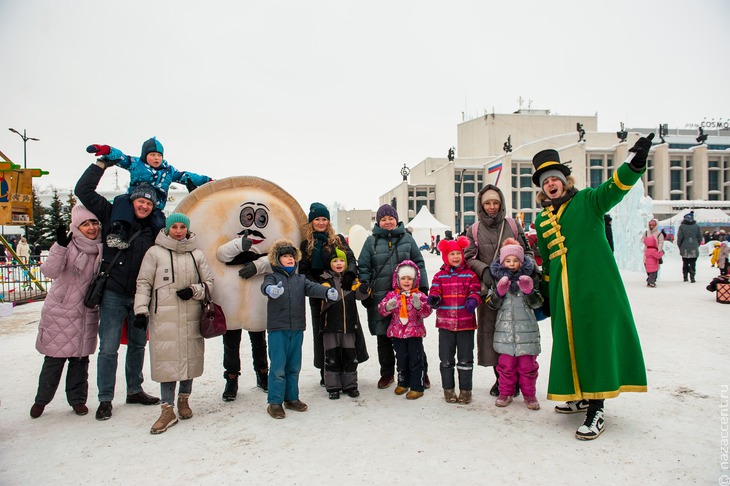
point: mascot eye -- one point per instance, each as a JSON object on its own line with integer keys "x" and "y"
{"x": 247, "y": 216}
{"x": 261, "y": 218}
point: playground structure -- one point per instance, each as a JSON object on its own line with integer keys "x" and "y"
{"x": 16, "y": 209}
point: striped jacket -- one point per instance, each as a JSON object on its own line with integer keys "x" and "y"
{"x": 454, "y": 285}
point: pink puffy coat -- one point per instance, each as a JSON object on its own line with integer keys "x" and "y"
{"x": 67, "y": 328}
{"x": 413, "y": 325}
{"x": 651, "y": 254}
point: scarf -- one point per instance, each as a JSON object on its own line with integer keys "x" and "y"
{"x": 318, "y": 256}
{"x": 89, "y": 252}
{"x": 403, "y": 311}
{"x": 557, "y": 202}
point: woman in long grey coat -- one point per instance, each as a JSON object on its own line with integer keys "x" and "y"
{"x": 492, "y": 229}
{"x": 169, "y": 292}
{"x": 68, "y": 329}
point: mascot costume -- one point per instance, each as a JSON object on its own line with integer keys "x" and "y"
{"x": 240, "y": 219}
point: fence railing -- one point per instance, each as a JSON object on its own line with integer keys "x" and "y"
{"x": 22, "y": 283}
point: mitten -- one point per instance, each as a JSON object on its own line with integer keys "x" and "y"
{"x": 434, "y": 301}
{"x": 391, "y": 304}
{"x": 275, "y": 291}
{"x": 471, "y": 304}
{"x": 141, "y": 321}
{"x": 185, "y": 294}
{"x": 347, "y": 280}
{"x": 416, "y": 302}
{"x": 99, "y": 149}
{"x": 245, "y": 242}
{"x": 190, "y": 186}
{"x": 332, "y": 294}
{"x": 525, "y": 284}
{"x": 62, "y": 237}
{"x": 640, "y": 153}
{"x": 363, "y": 291}
{"x": 503, "y": 286}
{"x": 248, "y": 270}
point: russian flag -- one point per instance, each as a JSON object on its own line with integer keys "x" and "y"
{"x": 495, "y": 168}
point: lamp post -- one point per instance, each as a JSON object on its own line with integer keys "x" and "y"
{"x": 25, "y": 142}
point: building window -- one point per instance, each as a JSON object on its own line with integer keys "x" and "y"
{"x": 468, "y": 204}
{"x": 468, "y": 188}
{"x": 468, "y": 221}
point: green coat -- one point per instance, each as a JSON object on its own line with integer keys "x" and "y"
{"x": 596, "y": 351}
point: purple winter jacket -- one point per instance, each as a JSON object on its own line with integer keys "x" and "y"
{"x": 68, "y": 328}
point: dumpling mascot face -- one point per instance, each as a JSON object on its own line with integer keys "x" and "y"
{"x": 223, "y": 210}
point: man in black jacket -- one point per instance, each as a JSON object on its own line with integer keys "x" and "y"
{"x": 118, "y": 298}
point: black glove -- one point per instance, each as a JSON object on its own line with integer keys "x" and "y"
{"x": 245, "y": 242}
{"x": 363, "y": 291}
{"x": 434, "y": 301}
{"x": 62, "y": 237}
{"x": 424, "y": 290}
{"x": 185, "y": 294}
{"x": 248, "y": 270}
{"x": 189, "y": 184}
{"x": 141, "y": 321}
{"x": 347, "y": 280}
{"x": 641, "y": 149}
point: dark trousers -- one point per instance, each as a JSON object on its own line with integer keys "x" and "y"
{"x": 77, "y": 380}
{"x": 315, "y": 306}
{"x": 689, "y": 267}
{"x": 340, "y": 361}
{"x": 459, "y": 344}
{"x": 386, "y": 357}
{"x": 651, "y": 277}
{"x": 232, "y": 351}
{"x": 409, "y": 353}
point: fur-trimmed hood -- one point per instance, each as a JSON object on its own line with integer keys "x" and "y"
{"x": 278, "y": 245}
{"x": 416, "y": 280}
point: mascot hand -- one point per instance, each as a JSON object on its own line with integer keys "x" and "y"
{"x": 248, "y": 270}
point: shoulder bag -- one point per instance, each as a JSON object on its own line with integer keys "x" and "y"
{"x": 96, "y": 288}
{"x": 212, "y": 318}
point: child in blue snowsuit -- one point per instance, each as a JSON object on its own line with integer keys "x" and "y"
{"x": 149, "y": 169}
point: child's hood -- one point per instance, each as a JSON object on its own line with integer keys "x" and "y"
{"x": 277, "y": 246}
{"x": 409, "y": 263}
{"x": 650, "y": 242}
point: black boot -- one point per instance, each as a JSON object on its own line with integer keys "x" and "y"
{"x": 229, "y": 394}
{"x": 262, "y": 379}
{"x": 517, "y": 390}
{"x": 495, "y": 388}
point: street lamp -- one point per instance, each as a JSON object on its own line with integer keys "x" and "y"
{"x": 25, "y": 142}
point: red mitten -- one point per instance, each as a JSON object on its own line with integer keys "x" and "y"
{"x": 503, "y": 286}
{"x": 99, "y": 149}
{"x": 525, "y": 284}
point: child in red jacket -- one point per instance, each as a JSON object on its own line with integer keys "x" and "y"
{"x": 454, "y": 294}
{"x": 651, "y": 259}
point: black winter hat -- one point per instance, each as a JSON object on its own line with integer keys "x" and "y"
{"x": 318, "y": 210}
{"x": 146, "y": 191}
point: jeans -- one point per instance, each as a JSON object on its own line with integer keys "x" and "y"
{"x": 113, "y": 309}
{"x": 285, "y": 356}
{"x": 77, "y": 380}
{"x": 167, "y": 390}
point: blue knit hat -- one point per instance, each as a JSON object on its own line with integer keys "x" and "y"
{"x": 318, "y": 210}
{"x": 151, "y": 145}
{"x": 176, "y": 218}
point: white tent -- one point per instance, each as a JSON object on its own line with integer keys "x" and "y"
{"x": 705, "y": 217}
{"x": 424, "y": 225}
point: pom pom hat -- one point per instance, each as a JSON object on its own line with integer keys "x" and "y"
{"x": 511, "y": 247}
{"x": 447, "y": 246}
{"x": 176, "y": 218}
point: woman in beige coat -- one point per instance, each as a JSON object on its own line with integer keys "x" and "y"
{"x": 169, "y": 292}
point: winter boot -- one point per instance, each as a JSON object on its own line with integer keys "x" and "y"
{"x": 464, "y": 396}
{"x": 685, "y": 277}
{"x": 532, "y": 402}
{"x": 592, "y": 426}
{"x": 450, "y": 395}
{"x": 495, "y": 389}
{"x": 183, "y": 408}
{"x": 167, "y": 419}
{"x": 400, "y": 390}
{"x": 262, "y": 379}
{"x": 334, "y": 395}
{"x": 352, "y": 393}
{"x": 503, "y": 400}
{"x": 296, "y": 405}
{"x": 80, "y": 409}
{"x": 385, "y": 381}
{"x": 413, "y": 395}
{"x": 229, "y": 394}
{"x": 573, "y": 406}
{"x": 36, "y": 410}
{"x": 692, "y": 277}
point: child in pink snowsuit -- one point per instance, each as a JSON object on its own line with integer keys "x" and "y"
{"x": 516, "y": 333}
{"x": 651, "y": 259}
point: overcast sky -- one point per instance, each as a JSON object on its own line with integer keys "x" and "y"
{"x": 330, "y": 99}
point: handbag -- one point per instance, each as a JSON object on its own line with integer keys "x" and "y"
{"x": 95, "y": 290}
{"x": 212, "y": 318}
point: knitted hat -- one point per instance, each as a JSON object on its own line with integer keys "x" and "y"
{"x": 79, "y": 215}
{"x": 689, "y": 217}
{"x": 146, "y": 191}
{"x": 406, "y": 270}
{"x": 176, "y": 218}
{"x": 318, "y": 210}
{"x": 338, "y": 254}
{"x": 386, "y": 210}
{"x": 491, "y": 194}
{"x": 151, "y": 145}
{"x": 548, "y": 160}
{"x": 447, "y": 246}
{"x": 511, "y": 247}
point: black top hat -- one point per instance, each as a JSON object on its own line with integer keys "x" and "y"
{"x": 547, "y": 160}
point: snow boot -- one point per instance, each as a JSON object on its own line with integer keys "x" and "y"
{"x": 450, "y": 395}
{"x": 167, "y": 419}
{"x": 464, "y": 396}
{"x": 229, "y": 394}
{"x": 503, "y": 400}
{"x": 183, "y": 408}
{"x": 413, "y": 395}
{"x": 36, "y": 410}
{"x": 262, "y": 379}
{"x": 532, "y": 402}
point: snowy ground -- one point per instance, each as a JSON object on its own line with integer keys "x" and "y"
{"x": 672, "y": 435}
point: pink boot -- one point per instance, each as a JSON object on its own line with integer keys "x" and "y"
{"x": 532, "y": 402}
{"x": 503, "y": 400}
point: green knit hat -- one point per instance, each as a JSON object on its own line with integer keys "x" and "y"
{"x": 338, "y": 254}
{"x": 176, "y": 218}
